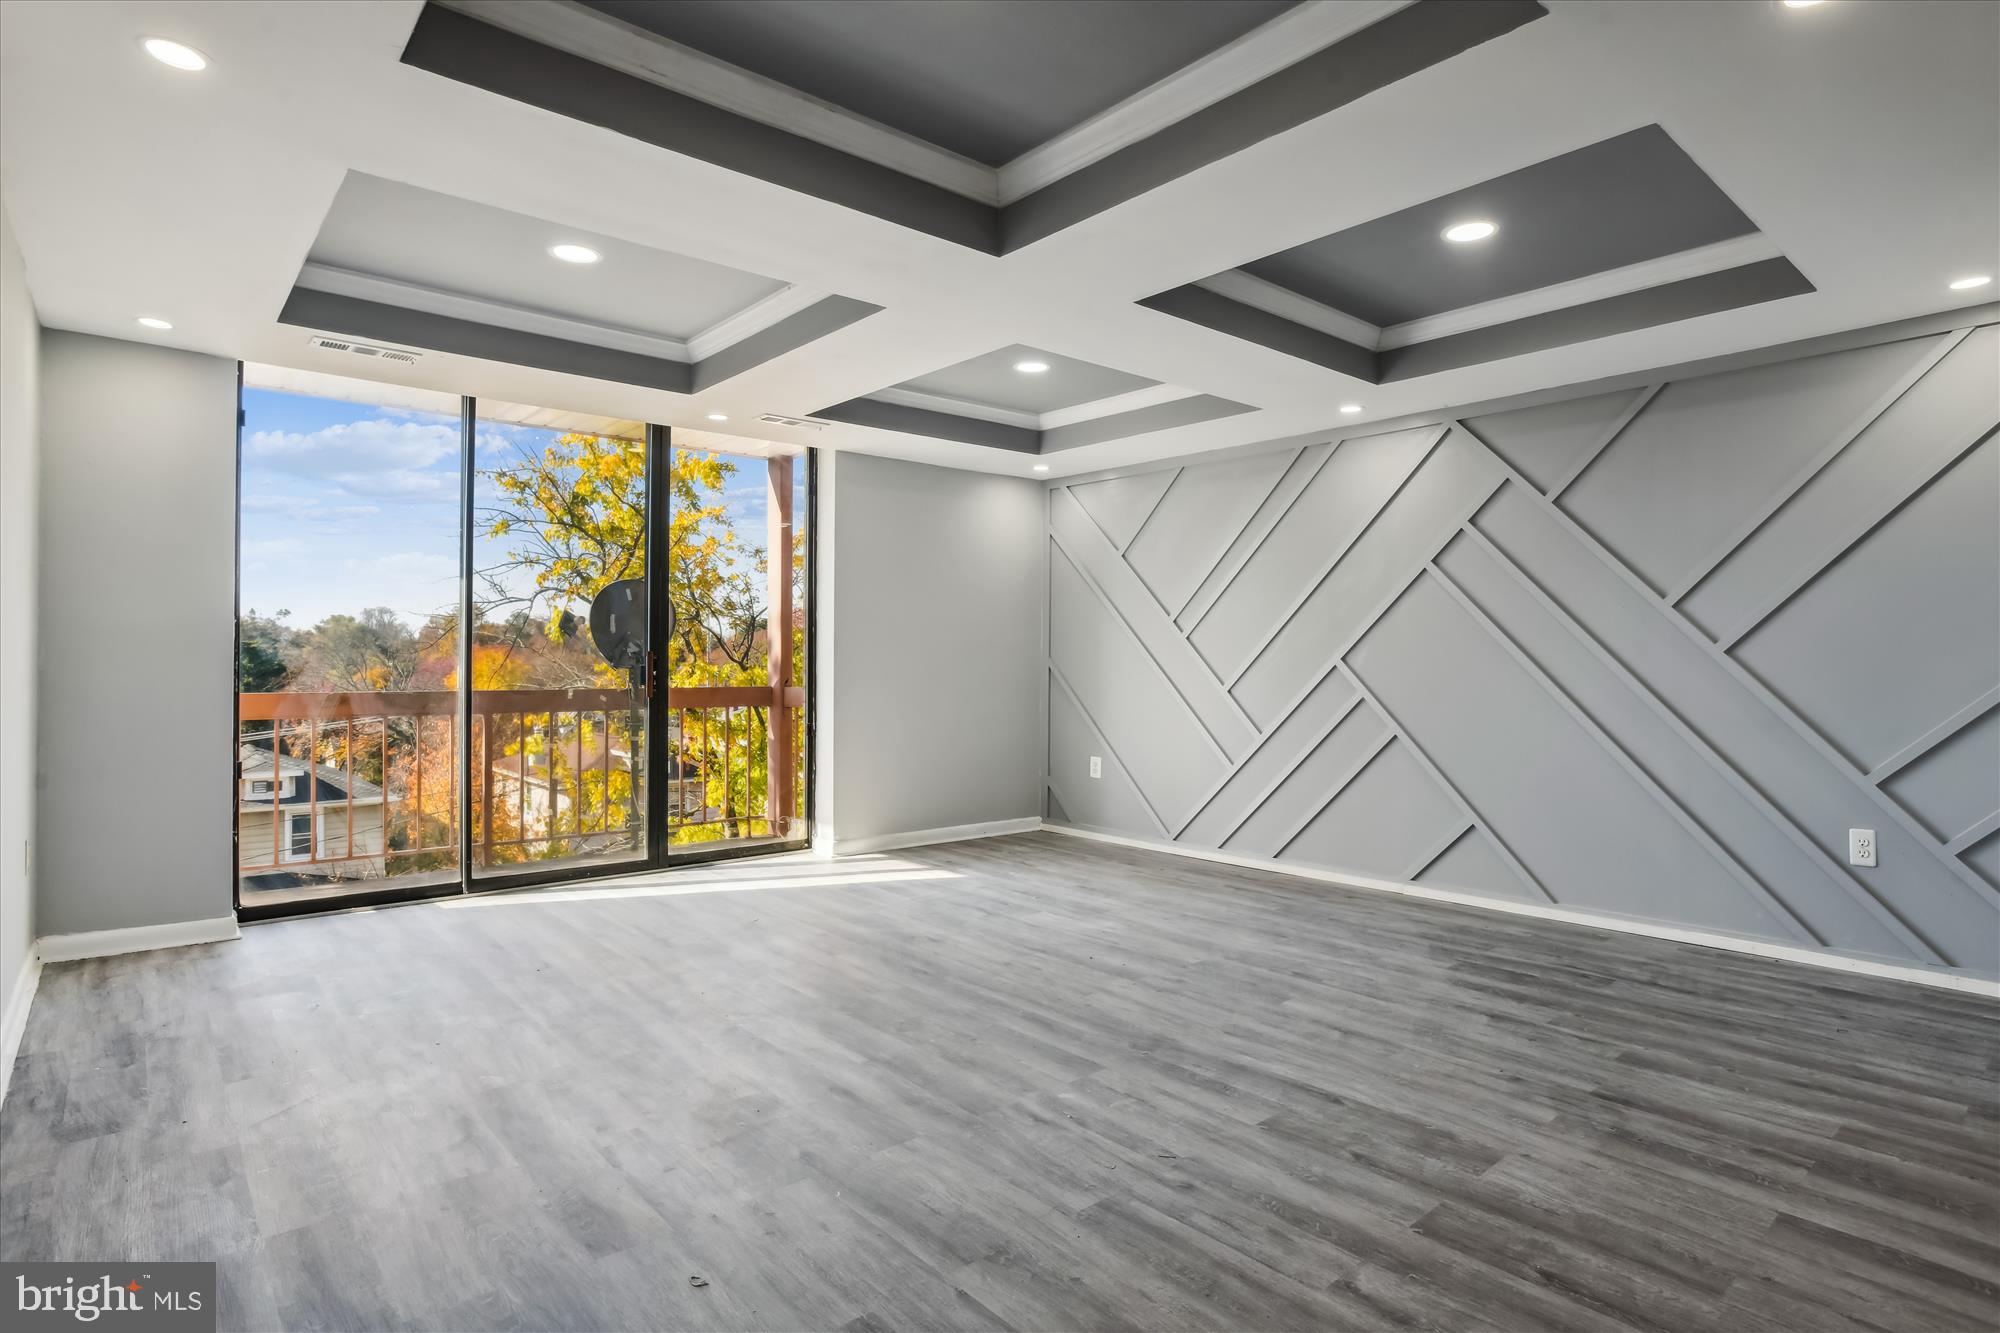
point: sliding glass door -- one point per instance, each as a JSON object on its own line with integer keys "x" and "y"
{"x": 630, "y": 693}
{"x": 738, "y": 576}
{"x": 561, "y": 643}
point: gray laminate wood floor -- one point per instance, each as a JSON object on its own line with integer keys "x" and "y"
{"x": 1029, "y": 1083}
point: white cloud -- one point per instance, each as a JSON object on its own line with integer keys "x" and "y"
{"x": 305, "y": 507}
{"x": 276, "y": 548}
{"x": 371, "y": 458}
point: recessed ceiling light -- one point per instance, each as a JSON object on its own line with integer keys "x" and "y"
{"x": 1967, "y": 284}
{"x": 1800, "y": 4}
{"x": 718, "y": 416}
{"x": 1031, "y": 367}
{"x": 1349, "y": 409}
{"x": 153, "y": 322}
{"x": 1041, "y": 467}
{"x": 1477, "y": 230}
{"x": 575, "y": 254}
{"x": 175, "y": 54}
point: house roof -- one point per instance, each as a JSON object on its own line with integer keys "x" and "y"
{"x": 328, "y": 785}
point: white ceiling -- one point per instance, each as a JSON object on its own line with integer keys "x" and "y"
{"x": 1863, "y": 138}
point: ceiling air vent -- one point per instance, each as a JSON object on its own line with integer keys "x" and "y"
{"x": 773, "y": 419}
{"x": 364, "y": 349}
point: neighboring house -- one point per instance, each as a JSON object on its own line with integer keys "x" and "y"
{"x": 521, "y": 787}
{"x": 324, "y": 829}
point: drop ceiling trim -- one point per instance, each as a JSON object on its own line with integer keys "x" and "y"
{"x": 875, "y": 413}
{"x": 1211, "y": 310}
{"x": 1735, "y": 252}
{"x": 1247, "y": 288}
{"x": 1666, "y": 303}
{"x": 1262, "y": 294}
{"x": 358, "y": 317}
{"x": 1406, "y": 42}
{"x": 353, "y": 316}
{"x": 1150, "y": 396}
{"x": 318, "y": 277}
{"x": 754, "y": 319}
{"x": 472, "y": 48}
{"x": 1153, "y": 395}
{"x": 474, "y": 44}
{"x": 1187, "y": 410}
{"x": 630, "y": 49}
{"x": 612, "y": 42}
{"x": 958, "y": 407}
{"x": 1706, "y": 292}
{"x": 1283, "y": 41}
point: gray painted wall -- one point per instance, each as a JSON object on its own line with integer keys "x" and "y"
{"x": 20, "y": 343}
{"x": 933, "y": 608}
{"x": 1645, "y": 654}
{"x": 136, "y": 586}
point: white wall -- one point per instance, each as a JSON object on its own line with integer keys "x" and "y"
{"x": 20, "y": 339}
{"x": 137, "y": 593}
{"x": 934, "y": 608}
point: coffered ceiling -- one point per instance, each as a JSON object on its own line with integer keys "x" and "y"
{"x": 1214, "y": 222}
{"x": 987, "y": 79}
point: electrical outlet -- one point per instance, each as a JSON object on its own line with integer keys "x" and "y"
{"x": 1097, "y": 766}
{"x": 1861, "y": 846}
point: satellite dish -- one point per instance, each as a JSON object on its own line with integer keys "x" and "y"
{"x": 618, "y": 624}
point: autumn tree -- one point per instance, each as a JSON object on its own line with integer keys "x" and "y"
{"x": 572, "y": 517}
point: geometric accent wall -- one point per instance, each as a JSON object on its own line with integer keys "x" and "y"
{"x": 1646, "y": 654}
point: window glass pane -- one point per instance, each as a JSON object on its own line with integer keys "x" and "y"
{"x": 737, "y": 648}
{"x": 559, "y": 650}
{"x": 349, "y": 604}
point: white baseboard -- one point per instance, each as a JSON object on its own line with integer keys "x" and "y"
{"x": 1923, "y": 976}
{"x": 135, "y": 939}
{"x": 888, "y": 842}
{"x": 14, "y": 1018}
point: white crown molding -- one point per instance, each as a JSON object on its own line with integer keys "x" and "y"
{"x": 1248, "y": 289}
{"x": 454, "y": 305}
{"x": 1695, "y": 263}
{"x": 958, "y": 407}
{"x": 725, "y": 332}
{"x": 752, "y": 319}
{"x": 629, "y": 49}
{"x": 1269, "y": 297}
{"x": 1150, "y": 396}
{"x": 1258, "y": 54}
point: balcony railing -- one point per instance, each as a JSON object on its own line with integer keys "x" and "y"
{"x": 374, "y": 776}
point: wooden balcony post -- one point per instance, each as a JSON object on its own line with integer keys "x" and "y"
{"x": 778, "y": 796}
{"x": 485, "y": 791}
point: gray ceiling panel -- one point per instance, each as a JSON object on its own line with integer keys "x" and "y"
{"x": 1623, "y": 201}
{"x": 988, "y": 79}
{"x": 386, "y": 229}
{"x": 992, "y": 380}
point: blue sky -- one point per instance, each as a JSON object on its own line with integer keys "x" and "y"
{"x": 348, "y": 505}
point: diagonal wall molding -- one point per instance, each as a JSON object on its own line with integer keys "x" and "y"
{"x": 1624, "y": 759}
{"x": 1772, "y": 792}
{"x": 1839, "y": 874}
